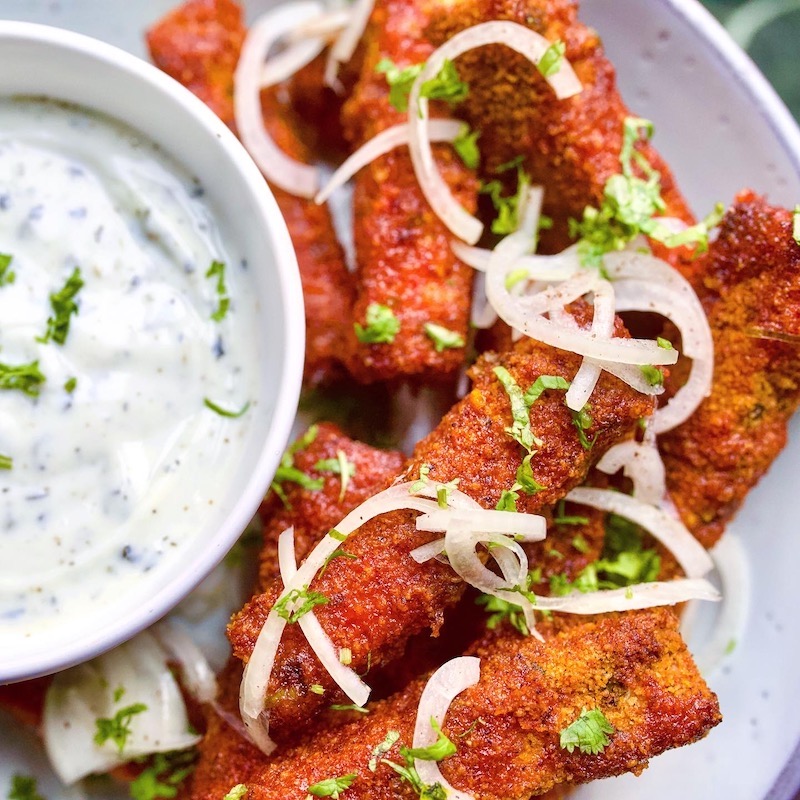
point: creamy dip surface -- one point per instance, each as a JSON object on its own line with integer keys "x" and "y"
{"x": 119, "y": 459}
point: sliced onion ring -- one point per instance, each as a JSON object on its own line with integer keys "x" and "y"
{"x": 288, "y": 174}
{"x": 197, "y": 676}
{"x": 345, "y": 45}
{"x": 452, "y": 678}
{"x": 519, "y": 38}
{"x": 641, "y": 462}
{"x": 442, "y": 130}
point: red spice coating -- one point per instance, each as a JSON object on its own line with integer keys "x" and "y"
{"x": 198, "y": 44}
{"x": 749, "y": 284}
{"x": 633, "y": 667}
{"x": 377, "y": 602}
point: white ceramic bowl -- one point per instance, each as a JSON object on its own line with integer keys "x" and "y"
{"x": 58, "y": 64}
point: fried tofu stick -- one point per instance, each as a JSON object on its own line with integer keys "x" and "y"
{"x": 632, "y": 667}
{"x": 571, "y": 146}
{"x": 749, "y": 284}
{"x": 198, "y": 44}
{"x": 226, "y": 757}
{"x": 402, "y": 249}
{"x": 375, "y": 604}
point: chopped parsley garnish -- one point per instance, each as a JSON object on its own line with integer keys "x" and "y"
{"x": 552, "y": 59}
{"x": 440, "y": 749}
{"x": 236, "y": 792}
{"x": 561, "y": 518}
{"x": 70, "y": 384}
{"x": 582, "y": 420}
{"x": 117, "y": 728}
{"x": 316, "y": 688}
{"x": 337, "y": 553}
{"x": 589, "y": 733}
{"x": 500, "y": 610}
{"x": 796, "y": 224}
{"x": 350, "y": 707}
{"x": 443, "y": 338}
{"x": 653, "y": 375}
{"x": 224, "y": 412}
{"x": 6, "y": 462}
{"x": 6, "y": 275}
{"x": 381, "y": 749}
{"x": 445, "y": 85}
{"x": 64, "y": 306}
{"x": 541, "y": 384}
{"x": 23, "y": 787}
{"x": 217, "y": 270}
{"x": 508, "y": 500}
{"x": 381, "y": 325}
{"x": 422, "y": 482}
{"x": 307, "y": 600}
{"x": 515, "y": 276}
{"x": 163, "y": 776}
{"x": 520, "y": 431}
{"x": 332, "y": 787}
{"x": 339, "y": 466}
{"x": 525, "y": 479}
{"x": 345, "y": 656}
{"x": 118, "y": 693}
{"x": 507, "y": 207}
{"x": 663, "y": 343}
{"x": 580, "y": 544}
{"x": 334, "y": 534}
{"x": 466, "y": 145}
{"x": 444, "y": 490}
{"x": 287, "y": 472}
{"x": 630, "y": 204}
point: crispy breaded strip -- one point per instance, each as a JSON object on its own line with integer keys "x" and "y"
{"x": 633, "y": 667}
{"x": 749, "y": 284}
{"x": 379, "y": 601}
{"x": 402, "y": 249}
{"x": 572, "y": 146}
{"x": 198, "y": 44}
{"x": 226, "y": 757}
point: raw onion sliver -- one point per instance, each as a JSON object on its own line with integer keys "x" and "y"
{"x": 519, "y": 38}
{"x": 452, "y": 678}
{"x": 197, "y": 676}
{"x": 321, "y": 27}
{"x": 641, "y": 462}
{"x": 281, "y": 67}
{"x": 290, "y": 175}
{"x": 442, "y": 130}
{"x": 345, "y": 45}
{"x": 690, "y": 554}
{"x": 528, "y": 527}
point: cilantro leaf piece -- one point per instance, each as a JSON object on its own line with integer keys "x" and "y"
{"x": 288, "y": 473}
{"x": 217, "y": 270}
{"x": 236, "y": 792}
{"x": 6, "y": 462}
{"x": 117, "y": 728}
{"x": 381, "y": 749}
{"x": 337, "y": 553}
{"x": 520, "y": 431}
{"x": 500, "y": 610}
{"x": 400, "y": 81}
{"x": 440, "y": 749}
{"x": 349, "y": 707}
{"x": 381, "y": 325}
{"x": 70, "y": 384}
{"x": 552, "y": 59}
{"x": 307, "y": 600}
{"x": 7, "y": 276}
{"x": 582, "y": 420}
{"x": 507, "y": 207}
{"x": 663, "y": 343}
{"x": 443, "y": 338}
{"x": 446, "y": 85}
{"x": 561, "y": 518}
{"x": 508, "y": 500}
{"x": 340, "y": 466}
{"x": 653, "y": 375}
{"x": 23, "y": 787}
{"x": 422, "y": 482}
{"x": 332, "y": 787}
{"x": 224, "y": 412}
{"x": 466, "y": 145}
{"x": 163, "y": 775}
{"x": 580, "y": 544}
{"x": 542, "y": 383}
{"x": 525, "y": 479}
{"x": 444, "y": 490}
{"x": 589, "y": 733}
{"x": 64, "y": 306}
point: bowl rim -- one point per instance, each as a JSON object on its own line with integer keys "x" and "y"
{"x": 199, "y": 561}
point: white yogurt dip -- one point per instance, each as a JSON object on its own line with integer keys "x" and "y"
{"x": 118, "y": 459}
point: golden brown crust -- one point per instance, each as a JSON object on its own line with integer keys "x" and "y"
{"x": 633, "y": 667}
{"x": 749, "y": 284}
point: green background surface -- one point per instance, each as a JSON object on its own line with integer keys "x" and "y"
{"x": 769, "y": 30}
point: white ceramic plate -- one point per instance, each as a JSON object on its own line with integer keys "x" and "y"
{"x": 722, "y": 128}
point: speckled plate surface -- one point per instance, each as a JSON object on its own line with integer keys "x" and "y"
{"x": 722, "y": 128}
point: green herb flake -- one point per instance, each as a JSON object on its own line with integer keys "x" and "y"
{"x": 237, "y": 792}
{"x": 23, "y": 787}
{"x": 117, "y": 728}
{"x": 332, "y": 787}
{"x": 350, "y": 707}
{"x": 730, "y": 647}
{"x": 64, "y": 306}
{"x": 400, "y": 81}
{"x": 653, "y": 375}
{"x": 508, "y": 500}
{"x": 118, "y": 693}
{"x": 500, "y": 610}
{"x": 561, "y": 518}
{"x": 70, "y": 384}
{"x": 507, "y": 207}
{"x": 525, "y": 479}
{"x": 217, "y": 270}
{"x": 520, "y": 431}
{"x": 446, "y": 85}
{"x": 307, "y": 600}
{"x": 589, "y": 733}
{"x": 381, "y": 325}
{"x": 6, "y": 462}
{"x": 316, "y": 688}
{"x": 541, "y": 384}
{"x": 582, "y": 420}
{"x": 796, "y": 224}
{"x": 580, "y": 544}
{"x": 224, "y": 412}
{"x": 381, "y": 749}
{"x": 337, "y": 553}
{"x": 444, "y": 490}
{"x": 443, "y": 338}
{"x": 345, "y": 656}
{"x": 663, "y": 343}
{"x": 420, "y": 484}
{"x": 339, "y": 466}
{"x": 288, "y": 473}
{"x": 439, "y": 750}
{"x": 334, "y": 534}
{"x": 552, "y": 59}
{"x": 163, "y": 775}
{"x": 7, "y": 276}
{"x": 515, "y": 277}
{"x": 466, "y": 145}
